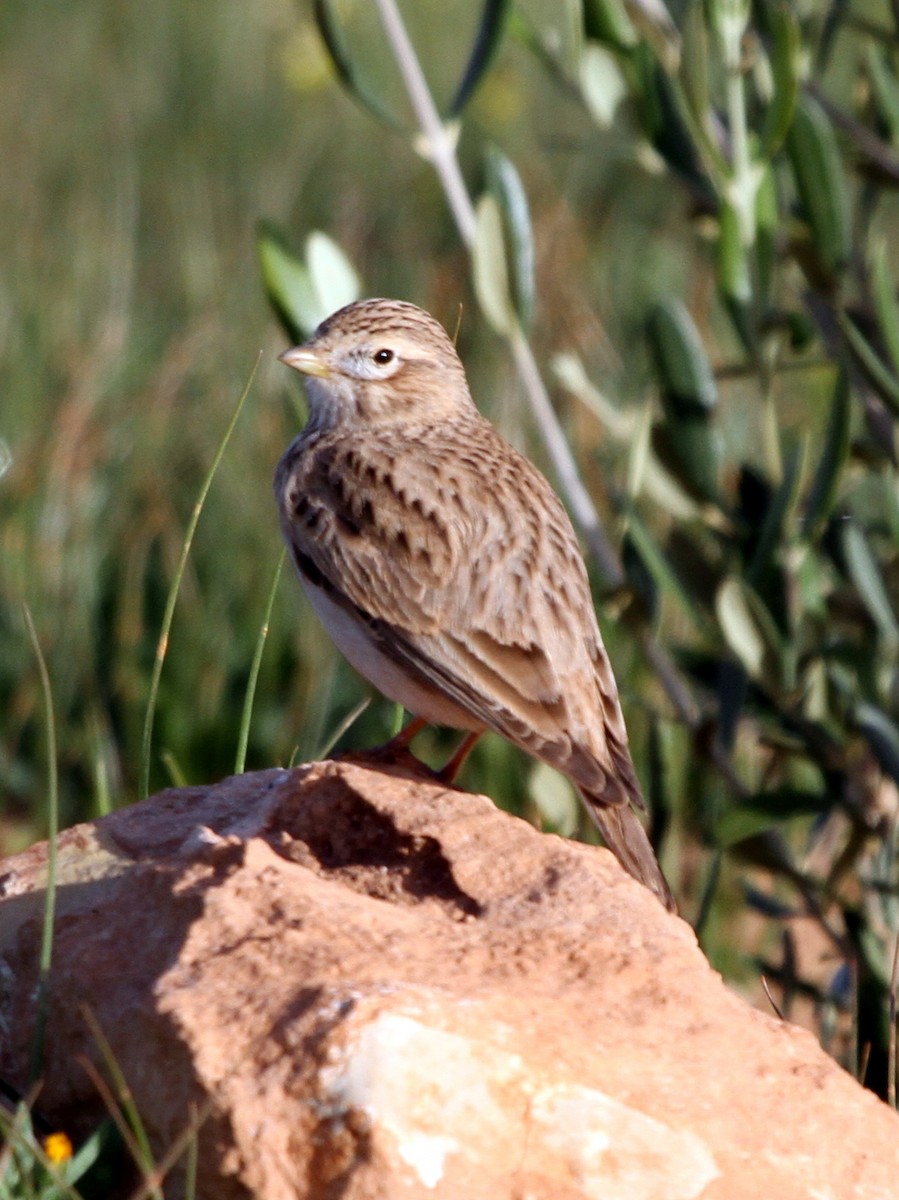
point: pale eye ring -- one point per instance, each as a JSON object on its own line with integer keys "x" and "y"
{"x": 383, "y": 357}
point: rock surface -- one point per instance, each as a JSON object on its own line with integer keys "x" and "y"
{"x": 378, "y": 987}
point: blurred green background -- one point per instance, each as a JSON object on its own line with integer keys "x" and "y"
{"x": 728, "y": 451}
{"x": 139, "y": 156}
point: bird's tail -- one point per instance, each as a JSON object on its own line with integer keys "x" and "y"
{"x": 626, "y": 838}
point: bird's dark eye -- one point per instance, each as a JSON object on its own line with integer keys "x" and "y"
{"x": 382, "y": 357}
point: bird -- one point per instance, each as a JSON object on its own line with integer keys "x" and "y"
{"x": 444, "y": 566}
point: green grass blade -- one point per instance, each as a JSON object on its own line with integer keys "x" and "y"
{"x": 334, "y": 737}
{"x": 122, "y": 1107}
{"x": 168, "y": 615}
{"x": 37, "y": 1049}
{"x": 250, "y": 695}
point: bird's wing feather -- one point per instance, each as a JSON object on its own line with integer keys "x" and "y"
{"x": 391, "y": 535}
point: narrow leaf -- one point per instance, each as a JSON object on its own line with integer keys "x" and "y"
{"x": 607, "y": 21}
{"x": 695, "y": 70}
{"x": 820, "y": 182}
{"x": 663, "y": 574}
{"x": 885, "y": 301}
{"x": 886, "y": 88}
{"x": 767, "y": 228}
{"x": 733, "y": 272}
{"x": 486, "y": 44}
{"x": 865, "y": 574}
{"x": 603, "y": 85}
{"x": 882, "y": 736}
{"x": 878, "y": 373}
{"x": 335, "y": 43}
{"x": 783, "y": 27}
{"x": 750, "y": 631}
{"x": 683, "y": 370}
{"x": 491, "y": 271}
{"x": 834, "y": 454}
{"x": 287, "y": 284}
{"x": 506, "y": 187}
{"x": 334, "y": 281}
{"x": 740, "y": 630}
{"x": 768, "y": 538}
{"x": 690, "y": 448}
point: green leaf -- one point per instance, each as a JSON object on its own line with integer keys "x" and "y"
{"x": 603, "y": 85}
{"x": 820, "y": 182}
{"x": 490, "y": 268}
{"x": 660, "y": 109}
{"x": 663, "y": 574}
{"x": 865, "y": 574}
{"x": 690, "y": 448}
{"x": 486, "y": 44}
{"x": 287, "y": 283}
{"x": 767, "y": 228}
{"x": 682, "y": 368}
{"x": 640, "y": 579}
{"x": 607, "y": 21}
{"x": 303, "y": 294}
{"x": 886, "y": 88}
{"x": 767, "y": 810}
{"x": 882, "y": 736}
{"x": 334, "y": 281}
{"x": 687, "y": 441}
{"x": 783, "y": 27}
{"x": 885, "y": 302}
{"x": 878, "y": 373}
{"x": 335, "y": 43}
{"x": 785, "y": 802}
{"x": 750, "y": 632}
{"x": 506, "y": 187}
{"x": 834, "y": 455}
{"x": 695, "y": 63}
{"x": 769, "y": 536}
{"x": 733, "y": 272}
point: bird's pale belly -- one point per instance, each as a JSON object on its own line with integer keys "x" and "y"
{"x": 352, "y": 640}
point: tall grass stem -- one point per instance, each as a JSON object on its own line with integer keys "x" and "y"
{"x": 171, "y": 600}
{"x": 46, "y": 958}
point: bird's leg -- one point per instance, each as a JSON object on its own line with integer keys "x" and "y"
{"x": 396, "y": 749}
{"x": 454, "y": 766}
{"x": 402, "y": 740}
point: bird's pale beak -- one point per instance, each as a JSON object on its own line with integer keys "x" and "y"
{"x": 301, "y": 358}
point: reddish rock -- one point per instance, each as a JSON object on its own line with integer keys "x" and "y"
{"x": 379, "y": 987}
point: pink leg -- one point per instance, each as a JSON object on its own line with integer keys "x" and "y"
{"x": 402, "y": 740}
{"x": 454, "y": 766}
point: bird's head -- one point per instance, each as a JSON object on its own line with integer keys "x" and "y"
{"x": 379, "y": 362}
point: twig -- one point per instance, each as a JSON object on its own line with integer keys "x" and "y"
{"x": 443, "y": 155}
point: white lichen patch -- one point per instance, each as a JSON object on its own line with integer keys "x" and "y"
{"x": 440, "y": 1102}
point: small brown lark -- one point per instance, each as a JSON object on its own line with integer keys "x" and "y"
{"x": 444, "y": 566}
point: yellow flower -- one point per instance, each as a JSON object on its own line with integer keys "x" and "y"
{"x": 58, "y": 1148}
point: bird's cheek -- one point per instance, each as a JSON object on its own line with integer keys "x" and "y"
{"x": 374, "y": 402}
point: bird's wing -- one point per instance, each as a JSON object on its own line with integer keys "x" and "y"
{"x": 471, "y": 578}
